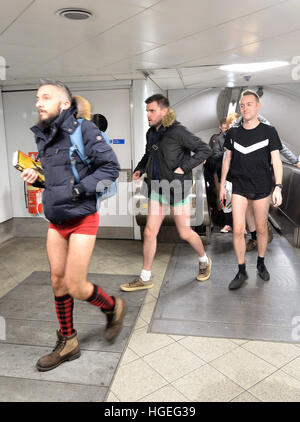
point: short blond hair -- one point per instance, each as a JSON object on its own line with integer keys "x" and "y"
{"x": 250, "y": 92}
{"x": 231, "y": 118}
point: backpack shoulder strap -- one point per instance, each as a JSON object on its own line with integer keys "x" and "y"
{"x": 111, "y": 190}
{"x": 77, "y": 142}
{"x": 78, "y": 147}
{"x": 105, "y": 137}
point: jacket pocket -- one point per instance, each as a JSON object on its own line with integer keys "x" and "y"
{"x": 61, "y": 194}
{"x": 178, "y": 176}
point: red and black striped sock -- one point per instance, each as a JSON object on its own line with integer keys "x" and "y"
{"x": 101, "y": 299}
{"x": 64, "y": 311}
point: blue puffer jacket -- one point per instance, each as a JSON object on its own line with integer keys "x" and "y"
{"x": 54, "y": 147}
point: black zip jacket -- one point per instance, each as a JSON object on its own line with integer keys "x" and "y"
{"x": 173, "y": 149}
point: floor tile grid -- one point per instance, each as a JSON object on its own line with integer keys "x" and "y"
{"x": 148, "y": 300}
{"x": 172, "y": 384}
{"x": 245, "y": 395}
{"x": 134, "y": 264}
{"x": 251, "y": 393}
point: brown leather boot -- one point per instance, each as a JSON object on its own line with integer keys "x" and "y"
{"x": 115, "y": 320}
{"x": 66, "y": 348}
{"x": 251, "y": 244}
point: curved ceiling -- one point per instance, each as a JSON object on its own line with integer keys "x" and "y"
{"x": 178, "y": 44}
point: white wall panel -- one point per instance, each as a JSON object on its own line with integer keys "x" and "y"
{"x": 5, "y": 191}
{"x": 283, "y": 111}
{"x": 197, "y": 111}
{"x": 20, "y": 115}
{"x": 115, "y": 106}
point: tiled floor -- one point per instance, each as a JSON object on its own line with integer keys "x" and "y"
{"x": 158, "y": 367}
{"x": 30, "y": 332}
{"x": 260, "y": 310}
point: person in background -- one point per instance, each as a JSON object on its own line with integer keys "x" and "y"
{"x": 226, "y": 207}
{"x": 217, "y": 145}
{"x": 211, "y": 181}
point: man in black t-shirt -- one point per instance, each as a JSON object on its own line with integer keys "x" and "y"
{"x": 252, "y": 150}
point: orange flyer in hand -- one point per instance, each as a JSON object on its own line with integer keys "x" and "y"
{"x": 22, "y": 161}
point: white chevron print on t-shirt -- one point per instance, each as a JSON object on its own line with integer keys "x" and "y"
{"x": 251, "y": 148}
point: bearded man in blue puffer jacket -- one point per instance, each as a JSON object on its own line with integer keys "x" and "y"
{"x": 71, "y": 210}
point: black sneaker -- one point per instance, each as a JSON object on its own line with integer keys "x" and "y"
{"x": 263, "y": 272}
{"x": 238, "y": 281}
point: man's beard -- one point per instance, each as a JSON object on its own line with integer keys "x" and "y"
{"x": 156, "y": 125}
{"x": 46, "y": 123}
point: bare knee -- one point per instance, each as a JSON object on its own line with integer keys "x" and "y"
{"x": 238, "y": 230}
{"x": 149, "y": 234}
{"x": 58, "y": 281}
{"x": 74, "y": 288}
{"x": 74, "y": 291}
{"x": 58, "y": 285}
{"x": 79, "y": 289}
{"x": 261, "y": 229}
{"x": 185, "y": 234}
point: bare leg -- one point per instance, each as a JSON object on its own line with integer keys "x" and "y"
{"x": 156, "y": 215}
{"x": 182, "y": 221}
{"x": 239, "y": 206}
{"x": 57, "y": 249}
{"x": 250, "y": 217}
{"x": 260, "y": 209}
{"x": 80, "y": 251}
{"x": 217, "y": 184}
{"x": 183, "y": 224}
{"x": 69, "y": 260}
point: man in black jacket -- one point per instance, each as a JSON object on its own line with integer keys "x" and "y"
{"x": 168, "y": 165}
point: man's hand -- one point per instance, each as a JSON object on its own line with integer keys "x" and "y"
{"x": 77, "y": 192}
{"x": 277, "y": 197}
{"x": 136, "y": 175}
{"x": 298, "y": 164}
{"x": 29, "y": 175}
{"x": 179, "y": 170}
{"x": 223, "y": 196}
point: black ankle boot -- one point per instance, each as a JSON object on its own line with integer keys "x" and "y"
{"x": 263, "y": 272}
{"x": 238, "y": 281}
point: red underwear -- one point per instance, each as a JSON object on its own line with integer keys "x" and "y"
{"x": 79, "y": 225}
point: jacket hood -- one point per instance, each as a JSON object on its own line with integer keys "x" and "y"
{"x": 169, "y": 119}
{"x": 84, "y": 108}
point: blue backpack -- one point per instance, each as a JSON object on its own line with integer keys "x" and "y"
{"x": 78, "y": 147}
